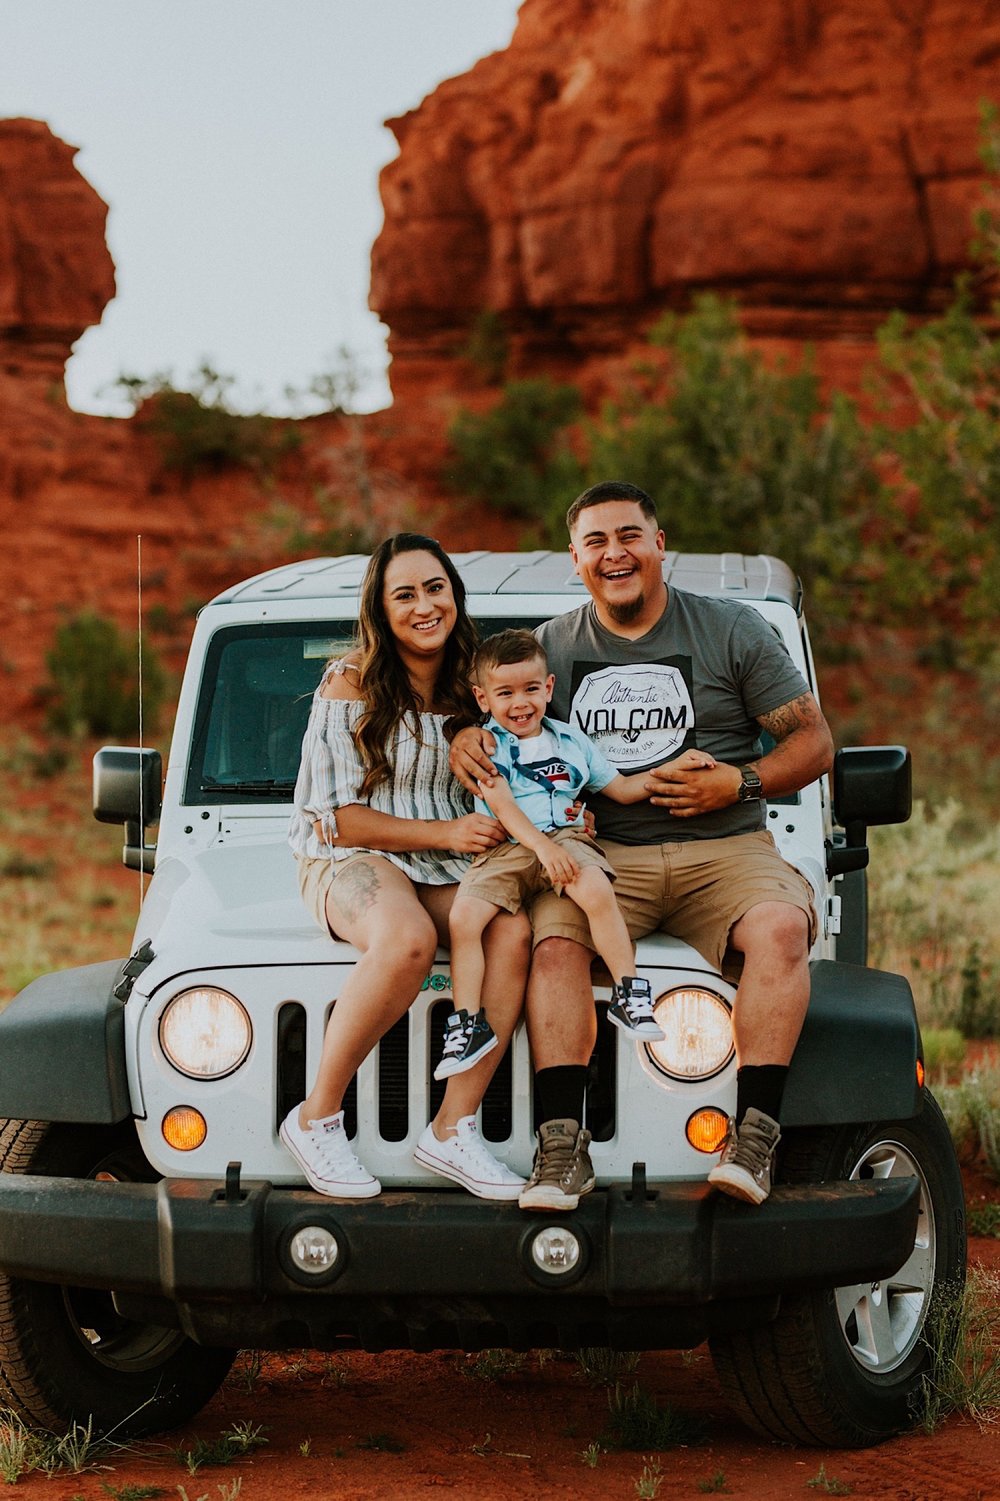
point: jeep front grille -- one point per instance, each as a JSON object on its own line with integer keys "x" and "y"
{"x": 395, "y": 1065}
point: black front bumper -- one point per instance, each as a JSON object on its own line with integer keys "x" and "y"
{"x": 658, "y": 1267}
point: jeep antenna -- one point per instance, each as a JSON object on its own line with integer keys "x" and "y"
{"x": 142, "y": 820}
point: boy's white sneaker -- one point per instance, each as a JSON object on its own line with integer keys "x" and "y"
{"x": 324, "y": 1153}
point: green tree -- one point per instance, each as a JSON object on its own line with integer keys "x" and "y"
{"x": 93, "y": 683}
{"x": 740, "y": 456}
{"x": 200, "y": 428}
{"x": 517, "y": 456}
{"x": 939, "y": 541}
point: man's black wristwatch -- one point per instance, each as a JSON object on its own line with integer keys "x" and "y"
{"x": 751, "y": 787}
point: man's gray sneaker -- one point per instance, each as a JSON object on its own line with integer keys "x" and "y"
{"x": 562, "y": 1169}
{"x": 746, "y": 1168}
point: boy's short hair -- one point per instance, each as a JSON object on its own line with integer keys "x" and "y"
{"x": 610, "y": 489}
{"x": 504, "y": 649}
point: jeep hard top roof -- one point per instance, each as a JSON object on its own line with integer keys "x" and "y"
{"x": 730, "y": 575}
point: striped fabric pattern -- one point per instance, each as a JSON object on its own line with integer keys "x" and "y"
{"x": 330, "y": 776}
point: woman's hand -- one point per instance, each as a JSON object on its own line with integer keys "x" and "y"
{"x": 469, "y": 757}
{"x": 474, "y": 834}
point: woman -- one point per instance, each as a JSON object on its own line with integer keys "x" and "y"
{"x": 382, "y": 835}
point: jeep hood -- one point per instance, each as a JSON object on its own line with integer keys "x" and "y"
{"x": 239, "y": 905}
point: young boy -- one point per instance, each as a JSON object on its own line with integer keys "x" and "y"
{"x": 543, "y": 766}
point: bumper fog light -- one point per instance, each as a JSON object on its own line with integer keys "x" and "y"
{"x": 184, "y": 1128}
{"x": 706, "y": 1129}
{"x": 555, "y": 1250}
{"x": 313, "y": 1249}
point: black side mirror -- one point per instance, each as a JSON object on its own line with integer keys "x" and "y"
{"x": 128, "y": 789}
{"x": 872, "y": 784}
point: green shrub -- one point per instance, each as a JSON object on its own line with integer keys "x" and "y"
{"x": 94, "y": 671}
{"x": 486, "y": 347}
{"x": 963, "y": 1336}
{"x": 517, "y": 456}
{"x": 981, "y": 1092}
{"x": 934, "y": 890}
{"x": 636, "y": 1421}
{"x": 939, "y": 543}
{"x": 199, "y": 429}
{"x": 944, "y": 1051}
{"x": 739, "y": 455}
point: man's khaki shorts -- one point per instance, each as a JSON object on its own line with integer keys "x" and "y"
{"x": 695, "y": 891}
{"x": 511, "y": 875}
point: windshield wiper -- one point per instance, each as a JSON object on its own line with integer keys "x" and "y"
{"x": 262, "y": 787}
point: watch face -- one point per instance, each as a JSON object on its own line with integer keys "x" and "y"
{"x": 750, "y": 787}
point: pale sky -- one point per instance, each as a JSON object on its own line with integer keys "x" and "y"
{"x": 238, "y": 145}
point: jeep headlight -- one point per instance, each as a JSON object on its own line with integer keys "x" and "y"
{"x": 205, "y": 1033}
{"x": 699, "y": 1034}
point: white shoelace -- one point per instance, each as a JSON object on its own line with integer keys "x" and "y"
{"x": 475, "y": 1151}
{"x": 334, "y": 1151}
{"x": 455, "y": 1041}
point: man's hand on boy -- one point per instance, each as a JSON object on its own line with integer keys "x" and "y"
{"x": 469, "y": 757}
{"x": 694, "y": 783}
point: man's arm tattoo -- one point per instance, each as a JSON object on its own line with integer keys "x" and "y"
{"x": 798, "y": 714}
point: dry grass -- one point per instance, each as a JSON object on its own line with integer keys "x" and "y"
{"x": 935, "y": 887}
{"x": 65, "y": 898}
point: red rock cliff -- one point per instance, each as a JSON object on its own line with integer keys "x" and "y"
{"x": 816, "y": 158}
{"x": 56, "y": 274}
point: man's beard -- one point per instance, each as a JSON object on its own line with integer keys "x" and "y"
{"x": 624, "y": 614}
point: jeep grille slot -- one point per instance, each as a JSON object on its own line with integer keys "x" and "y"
{"x": 602, "y": 1080}
{"x": 394, "y": 1082}
{"x": 498, "y": 1104}
{"x": 290, "y": 1053}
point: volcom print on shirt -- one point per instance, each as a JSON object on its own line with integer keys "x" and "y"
{"x": 643, "y": 713}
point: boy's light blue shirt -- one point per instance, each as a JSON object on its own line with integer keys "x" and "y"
{"x": 540, "y": 800}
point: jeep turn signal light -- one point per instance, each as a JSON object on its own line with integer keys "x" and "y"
{"x": 706, "y": 1129}
{"x": 184, "y": 1128}
{"x": 920, "y": 1073}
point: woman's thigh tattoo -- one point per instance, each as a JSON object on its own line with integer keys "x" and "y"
{"x": 356, "y": 890}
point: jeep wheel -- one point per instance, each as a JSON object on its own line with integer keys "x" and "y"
{"x": 844, "y": 1367}
{"x": 66, "y": 1354}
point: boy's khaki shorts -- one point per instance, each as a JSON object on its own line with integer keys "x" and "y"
{"x": 695, "y": 891}
{"x": 511, "y": 875}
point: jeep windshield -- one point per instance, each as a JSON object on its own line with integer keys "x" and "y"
{"x": 253, "y": 705}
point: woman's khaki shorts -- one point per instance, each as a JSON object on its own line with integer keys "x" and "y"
{"x": 695, "y": 891}
{"x": 317, "y": 874}
{"x": 511, "y": 875}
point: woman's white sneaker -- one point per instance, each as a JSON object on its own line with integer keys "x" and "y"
{"x": 324, "y": 1153}
{"x": 465, "y": 1158}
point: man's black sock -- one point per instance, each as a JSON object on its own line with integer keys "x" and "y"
{"x": 760, "y": 1086}
{"x": 561, "y": 1092}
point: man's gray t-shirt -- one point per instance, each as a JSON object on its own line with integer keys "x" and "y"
{"x": 697, "y": 680}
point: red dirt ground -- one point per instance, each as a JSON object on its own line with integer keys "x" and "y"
{"x": 357, "y": 1427}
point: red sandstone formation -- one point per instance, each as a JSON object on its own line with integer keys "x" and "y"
{"x": 816, "y": 158}
{"x": 56, "y": 275}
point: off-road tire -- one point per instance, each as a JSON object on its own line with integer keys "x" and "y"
{"x": 846, "y": 1367}
{"x": 66, "y": 1355}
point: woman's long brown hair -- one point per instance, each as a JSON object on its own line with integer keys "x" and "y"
{"x": 382, "y": 677}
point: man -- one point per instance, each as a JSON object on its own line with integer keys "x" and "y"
{"x": 653, "y": 672}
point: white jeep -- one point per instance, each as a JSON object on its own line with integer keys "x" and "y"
{"x": 151, "y": 1222}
